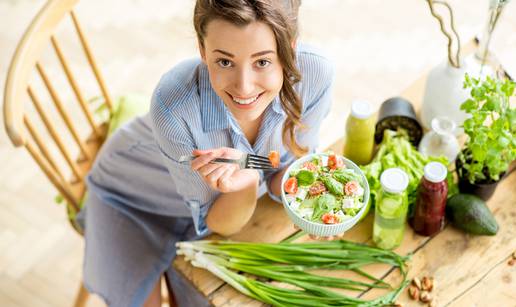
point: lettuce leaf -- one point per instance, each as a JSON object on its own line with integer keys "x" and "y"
{"x": 397, "y": 151}
{"x": 305, "y": 177}
{"x": 325, "y": 203}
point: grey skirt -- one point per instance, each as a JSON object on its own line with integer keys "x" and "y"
{"x": 133, "y": 217}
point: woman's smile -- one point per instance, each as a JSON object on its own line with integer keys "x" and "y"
{"x": 246, "y": 102}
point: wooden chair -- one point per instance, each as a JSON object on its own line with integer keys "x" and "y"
{"x": 65, "y": 153}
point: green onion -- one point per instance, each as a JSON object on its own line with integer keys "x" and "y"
{"x": 290, "y": 263}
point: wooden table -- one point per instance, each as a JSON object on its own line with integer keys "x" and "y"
{"x": 468, "y": 270}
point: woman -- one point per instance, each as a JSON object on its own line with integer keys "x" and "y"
{"x": 253, "y": 90}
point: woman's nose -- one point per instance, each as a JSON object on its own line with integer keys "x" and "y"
{"x": 244, "y": 83}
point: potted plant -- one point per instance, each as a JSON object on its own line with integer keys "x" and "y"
{"x": 490, "y": 147}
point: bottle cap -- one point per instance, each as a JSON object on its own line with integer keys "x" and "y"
{"x": 435, "y": 172}
{"x": 394, "y": 180}
{"x": 361, "y": 109}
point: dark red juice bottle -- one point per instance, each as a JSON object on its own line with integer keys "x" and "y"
{"x": 431, "y": 200}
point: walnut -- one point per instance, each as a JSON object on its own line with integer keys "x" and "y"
{"x": 416, "y": 282}
{"x": 413, "y": 292}
{"x": 427, "y": 283}
{"x": 425, "y": 297}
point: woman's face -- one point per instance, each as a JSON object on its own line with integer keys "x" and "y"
{"x": 243, "y": 65}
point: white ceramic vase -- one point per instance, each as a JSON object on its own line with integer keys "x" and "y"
{"x": 444, "y": 92}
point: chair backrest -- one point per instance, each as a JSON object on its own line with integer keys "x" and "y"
{"x": 67, "y": 152}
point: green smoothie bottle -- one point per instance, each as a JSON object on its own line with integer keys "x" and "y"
{"x": 391, "y": 209}
{"x": 360, "y": 126}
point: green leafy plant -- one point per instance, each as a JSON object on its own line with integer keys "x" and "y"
{"x": 491, "y": 130}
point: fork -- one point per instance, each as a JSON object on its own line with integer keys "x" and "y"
{"x": 246, "y": 161}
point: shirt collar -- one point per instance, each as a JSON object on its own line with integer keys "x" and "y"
{"x": 276, "y": 106}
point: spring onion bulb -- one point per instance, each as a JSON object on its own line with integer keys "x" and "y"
{"x": 291, "y": 263}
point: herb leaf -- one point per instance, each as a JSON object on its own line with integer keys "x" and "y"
{"x": 491, "y": 129}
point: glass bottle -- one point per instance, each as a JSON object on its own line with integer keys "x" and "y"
{"x": 391, "y": 209}
{"x": 441, "y": 139}
{"x": 431, "y": 200}
{"x": 360, "y": 127}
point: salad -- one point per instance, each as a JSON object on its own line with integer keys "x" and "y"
{"x": 324, "y": 190}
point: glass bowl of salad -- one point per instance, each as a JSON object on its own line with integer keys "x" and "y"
{"x": 324, "y": 194}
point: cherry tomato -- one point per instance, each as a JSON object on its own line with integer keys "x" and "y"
{"x": 316, "y": 188}
{"x": 335, "y": 162}
{"x": 291, "y": 185}
{"x": 274, "y": 157}
{"x": 329, "y": 218}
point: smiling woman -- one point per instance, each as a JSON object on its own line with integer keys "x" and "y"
{"x": 253, "y": 90}
{"x": 248, "y": 73}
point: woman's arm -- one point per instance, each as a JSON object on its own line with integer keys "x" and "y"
{"x": 233, "y": 208}
{"x": 231, "y": 211}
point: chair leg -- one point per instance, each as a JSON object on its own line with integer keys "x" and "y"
{"x": 82, "y": 297}
{"x": 171, "y": 298}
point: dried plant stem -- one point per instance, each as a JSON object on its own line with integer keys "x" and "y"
{"x": 452, "y": 25}
{"x": 495, "y": 12}
{"x": 454, "y": 61}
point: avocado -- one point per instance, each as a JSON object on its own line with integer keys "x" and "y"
{"x": 471, "y": 214}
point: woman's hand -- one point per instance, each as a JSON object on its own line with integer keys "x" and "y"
{"x": 223, "y": 177}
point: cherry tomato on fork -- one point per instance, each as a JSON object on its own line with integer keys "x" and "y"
{"x": 274, "y": 157}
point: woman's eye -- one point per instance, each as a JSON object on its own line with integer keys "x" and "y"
{"x": 263, "y": 63}
{"x": 224, "y": 63}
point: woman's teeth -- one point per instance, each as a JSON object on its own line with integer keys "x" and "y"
{"x": 245, "y": 101}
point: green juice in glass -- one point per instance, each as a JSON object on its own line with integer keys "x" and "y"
{"x": 391, "y": 209}
{"x": 360, "y": 126}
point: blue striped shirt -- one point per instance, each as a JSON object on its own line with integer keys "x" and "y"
{"x": 187, "y": 114}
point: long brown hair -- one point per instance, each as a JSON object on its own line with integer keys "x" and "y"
{"x": 281, "y": 17}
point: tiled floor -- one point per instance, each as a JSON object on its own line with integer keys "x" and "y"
{"x": 378, "y": 47}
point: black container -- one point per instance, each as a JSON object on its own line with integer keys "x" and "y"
{"x": 482, "y": 190}
{"x": 397, "y": 112}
